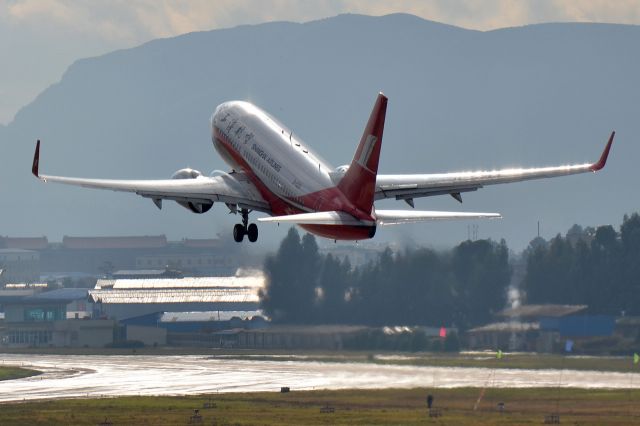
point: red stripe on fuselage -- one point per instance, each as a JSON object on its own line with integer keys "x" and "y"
{"x": 277, "y": 205}
{"x": 328, "y": 199}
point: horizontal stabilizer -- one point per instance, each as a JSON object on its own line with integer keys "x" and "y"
{"x": 384, "y": 217}
{"x": 318, "y": 218}
{"x": 397, "y": 217}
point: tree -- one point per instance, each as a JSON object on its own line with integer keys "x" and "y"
{"x": 334, "y": 282}
{"x": 482, "y": 273}
{"x": 290, "y": 293}
{"x": 548, "y": 272}
{"x": 411, "y": 287}
{"x": 597, "y": 267}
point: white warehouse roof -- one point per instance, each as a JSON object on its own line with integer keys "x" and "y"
{"x": 243, "y": 295}
{"x": 236, "y": 289}
{"x": 255, "y": 281}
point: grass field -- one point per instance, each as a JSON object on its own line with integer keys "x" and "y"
{"x": 9, "y": 373}
{"x": 353, "y": 407}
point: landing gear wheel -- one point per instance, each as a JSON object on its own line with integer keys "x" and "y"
{"x": 252, "y": 232}
{"x": 238, "y": 233}
{"x": 242, "y": 229}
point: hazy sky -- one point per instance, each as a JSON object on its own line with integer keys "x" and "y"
{"x": 39, "y": 39}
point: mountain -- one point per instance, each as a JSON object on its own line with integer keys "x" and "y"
{"x": 458, "y": 99}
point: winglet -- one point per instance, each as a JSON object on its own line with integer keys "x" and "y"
{"x": 603, "y": 158}
{"x": 36, "y": 160}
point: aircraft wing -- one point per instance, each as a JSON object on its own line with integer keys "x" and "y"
{"x": 234, "y": 189}
{"x": 407, "y": 187}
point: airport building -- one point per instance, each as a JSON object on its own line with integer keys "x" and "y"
{"x": 122, "y": 299}
{"x": 152, "y": 306}
{"x": 24, "y": 243}
{"x": 208, "y": 329}
{"x": 186, "y": 311}
{"x": 98, "y": 256}
{"x": 19, "y": 265}
{"x": 329, "y": 337}
{"x": 541, "y": 328}
{"x": 200, "y": 322}
{"x": 145, "y": 278}
{"x": 43, "y": 319}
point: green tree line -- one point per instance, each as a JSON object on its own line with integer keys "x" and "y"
{"x": 598, "y": 267}
{"x": 461, "y": 287}
{"x": 464, "y": 286}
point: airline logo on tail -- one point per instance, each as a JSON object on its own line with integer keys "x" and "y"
{"x": 367, "y": 149}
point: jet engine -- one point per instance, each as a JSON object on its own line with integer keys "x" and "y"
{"x": 195, "y": 207}
{"x": 186, "y": 174}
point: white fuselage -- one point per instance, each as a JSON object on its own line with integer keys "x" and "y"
{"x": 290, "y": 177}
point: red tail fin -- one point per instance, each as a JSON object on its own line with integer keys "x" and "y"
{"x": 359, "y": 183}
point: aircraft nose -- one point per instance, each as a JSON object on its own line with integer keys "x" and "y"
{"x": 216, "y": 114}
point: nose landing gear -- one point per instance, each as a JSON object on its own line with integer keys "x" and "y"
{"x": 240, "y": 230}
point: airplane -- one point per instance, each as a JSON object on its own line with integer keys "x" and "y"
{"x": 276, "y": 173}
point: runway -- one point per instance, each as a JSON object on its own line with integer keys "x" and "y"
{"x": 72, "y": 376}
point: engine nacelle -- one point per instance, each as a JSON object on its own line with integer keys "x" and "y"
{"x": 198, "y": 208}
{"x": 186, "y": 174}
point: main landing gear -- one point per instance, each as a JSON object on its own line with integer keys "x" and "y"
{"x": 250, "y": 230}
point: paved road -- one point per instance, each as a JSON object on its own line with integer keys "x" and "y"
{"x": 81, "y": 375}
